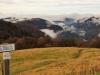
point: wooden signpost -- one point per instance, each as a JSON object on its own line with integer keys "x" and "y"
{"x": 6, "y": 49}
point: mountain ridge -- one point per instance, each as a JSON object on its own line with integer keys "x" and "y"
{"x": 83, "y": 28}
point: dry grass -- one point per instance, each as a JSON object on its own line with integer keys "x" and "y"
{"x": 55, "y": 61}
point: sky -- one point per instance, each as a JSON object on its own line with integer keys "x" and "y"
{"x": 49, "y": 7}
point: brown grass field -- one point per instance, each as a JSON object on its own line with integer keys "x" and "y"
{"x": 55, "y": 61}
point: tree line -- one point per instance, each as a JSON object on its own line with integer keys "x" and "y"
{"x": 42, "y": 42}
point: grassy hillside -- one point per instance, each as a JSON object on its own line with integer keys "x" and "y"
{"x": 55, "y": 61}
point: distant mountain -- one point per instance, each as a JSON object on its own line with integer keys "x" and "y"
{"x": 95, "y": 20}
{"x": 68, "y": 21}
{"x": 82, "y": 28}
{"x": 90, "y": 25}
{"x": 85, "y": 28}
{"x": 41, "y": 24}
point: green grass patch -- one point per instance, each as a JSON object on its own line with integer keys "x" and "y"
{"x": 33, "y": 67}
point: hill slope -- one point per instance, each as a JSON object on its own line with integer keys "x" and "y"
{"x": 55, "y": 61}
{"x": 8, "y": 29}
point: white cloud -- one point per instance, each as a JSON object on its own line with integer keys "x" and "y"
{"x": 52, "y": 1}
{"x": 2, "y": 15}
{"x": 62, "y": 1}
{"x": 49, "y": 6}
{"x": 3, "y": 2}
{"x": 51, "y": 33}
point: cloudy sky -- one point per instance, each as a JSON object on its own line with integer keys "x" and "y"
{"x": 49, "y": 7}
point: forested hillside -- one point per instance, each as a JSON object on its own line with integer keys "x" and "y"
{"x": 10, "y": 30}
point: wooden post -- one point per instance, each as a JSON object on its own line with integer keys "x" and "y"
{"x": 6, "y": 49}
{"x": 7, "y": 71}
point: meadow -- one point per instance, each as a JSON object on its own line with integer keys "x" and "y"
{"x": 55, "y": 61}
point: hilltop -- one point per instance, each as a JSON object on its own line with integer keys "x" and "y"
{"x": 55, "y": 61}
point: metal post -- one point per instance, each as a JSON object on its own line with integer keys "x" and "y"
{"x": 7, "y": 71}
